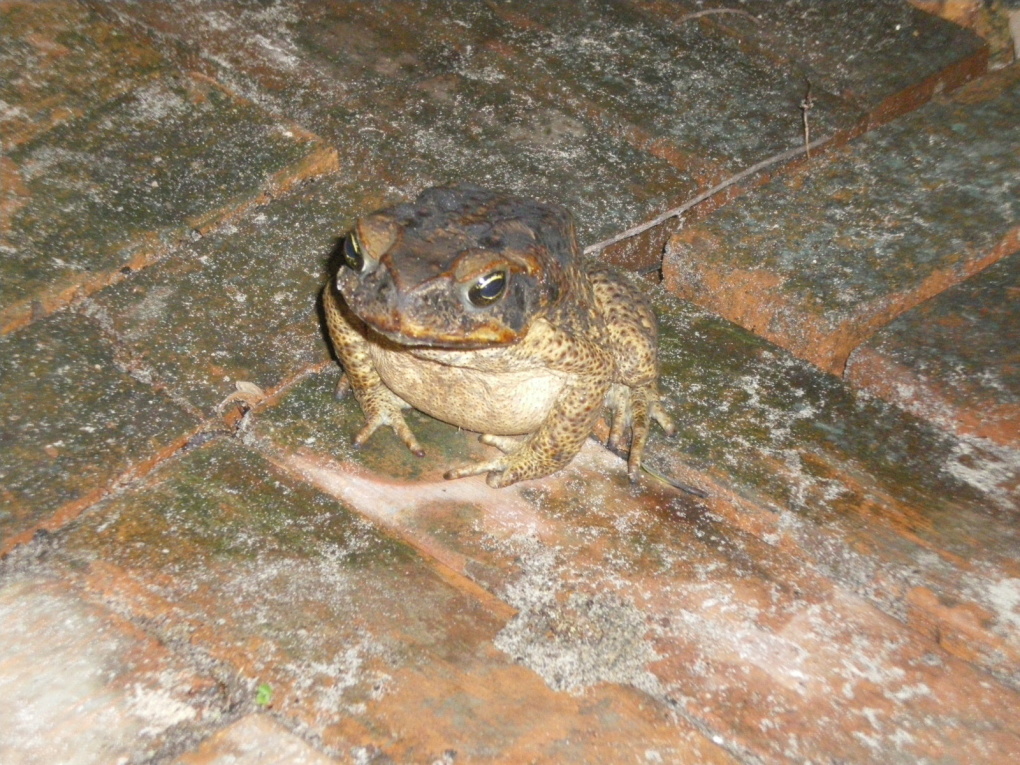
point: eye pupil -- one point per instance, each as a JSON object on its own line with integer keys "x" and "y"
{"x": 353, "y": 258}
{"x": 488, "y": 289}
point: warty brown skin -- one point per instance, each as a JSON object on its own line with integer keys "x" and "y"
{"x": 474, "y": 307}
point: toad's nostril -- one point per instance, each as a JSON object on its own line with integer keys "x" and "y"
{"x": 380, "y": 285}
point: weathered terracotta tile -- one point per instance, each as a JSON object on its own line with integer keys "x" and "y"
{"x": 364, "y": 644}
{"x": 82, "y": 685}
{"x": 644, "y": 587}
{"x": 882, "y": 56}
{"x": 255, "y": 738}
{"x": 240, "y": 303}
{"x": 74, "y": 420}
{"x": 922, "y": 523}
{"x": 416, "y": 110}
{"x": 689, "y": 92}
{"x": 991, "y": 21}
{"x": 562, "y": 104}
{"x": 954, "y": 360}
{"x": 819, "y": 260}
{"x": 96, "y": 197}
{"x": 60, "y": 61}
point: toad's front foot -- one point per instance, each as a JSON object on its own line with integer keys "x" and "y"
{"x": 382, "y": 407}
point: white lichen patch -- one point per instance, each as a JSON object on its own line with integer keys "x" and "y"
{"x": 1001, "y": 596}
{"x": 158, "y": 709}
{"x": 155, "y": 103}
{"x": 574, "y": 639}
{"x": 992, "y": 469}
{"x": 1005, "y": 596}
{"x": 72, "y": 687}
{"x": 332, "y": 684}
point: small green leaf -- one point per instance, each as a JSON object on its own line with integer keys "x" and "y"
{"x": 264, "y": 695}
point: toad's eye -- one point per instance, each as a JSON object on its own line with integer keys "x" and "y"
{"x": 487, "y": 289}
{"x": 353, "y": 258}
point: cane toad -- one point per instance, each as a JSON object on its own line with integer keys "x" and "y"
{"x": 475, "y": 308}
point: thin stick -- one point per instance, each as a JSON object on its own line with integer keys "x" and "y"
{"x": 806, "y": 106}
{"x": 678, "y": 211}
{"x": 710, "y": 11}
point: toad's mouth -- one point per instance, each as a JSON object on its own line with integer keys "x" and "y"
{"x": 399, "y": 330}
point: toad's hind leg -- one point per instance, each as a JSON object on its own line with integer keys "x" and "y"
{"x": 632, "y": 410}
{"x": 553, "y": 445}
{"x": 633, "y": 340}
{"x": 588, "y": 369}
{"x": 382, "y": 407}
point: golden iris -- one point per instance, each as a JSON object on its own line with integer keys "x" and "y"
{"x": 487, "y": 289}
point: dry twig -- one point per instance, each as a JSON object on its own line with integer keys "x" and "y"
{"x": 806, "y": 106}
{"x": 676, "y": 212}
{"x": 711, "y": 11}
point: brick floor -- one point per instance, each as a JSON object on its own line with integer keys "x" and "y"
{"x": 954, "y": 359}
{"x": 581, "y": 106}
{"x": 191, "y": 572}
{"x": 890, "y": 80}
{"x": 891, "y": 505}
{"x": 59, "y": 61}
{"x": 255, "y": 738}
{"x": 69, "y": 396}
{"x": 733, "y": 628}
{"x": 357, "y": 635}
{"x": 84, "y": 685}
{"x": 133, "y": 174}
{"x": 258, "y": 279}
{"x": 817, "y": 261}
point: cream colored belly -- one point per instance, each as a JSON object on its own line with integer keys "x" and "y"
{"x": 500, "y": 403}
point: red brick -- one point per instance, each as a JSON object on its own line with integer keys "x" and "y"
{"x": 131, "y": 176}
{"x": 82, "y": 685}
{"x": 415, "y": 110}
{"x": 366, "y": 645}
{"x": 638, "y": 585}
{"x": 61, "y": 61}
{"x": 881, "y": 501}
{"x": 910, "y": 55}
{"x": 954, "y": 360}
{"x": 819, "y": 260}
{"x": 75, "y": 420}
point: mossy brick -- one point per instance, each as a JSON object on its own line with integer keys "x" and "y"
{"x": 921, "y": 522}
{"x": 310, "y": 417}
{"x": 566, "y": 102}
{"x": 691, "y": 93}
{"x": 883, "y": 57}
{"x": 241, "y": 302}
{"x": 73, "y": 422}
{"x": 356, "y": 634}
{"x": 643, "y": 586}
{"x": 251, "y": 49}
{"x": 955, "y": 359}
{"x": 81, "y": 684}
{"x": 616, "y": 111}
{"x": 896, "y": 509}
{"x": 989, "y": 20}
{"x": 820, "y": 259}
{"x": 60, "y": 61}
{"x": 418, "y": 110}
{"x": 118, "y": 187}
{"x": 495, "y": 135}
